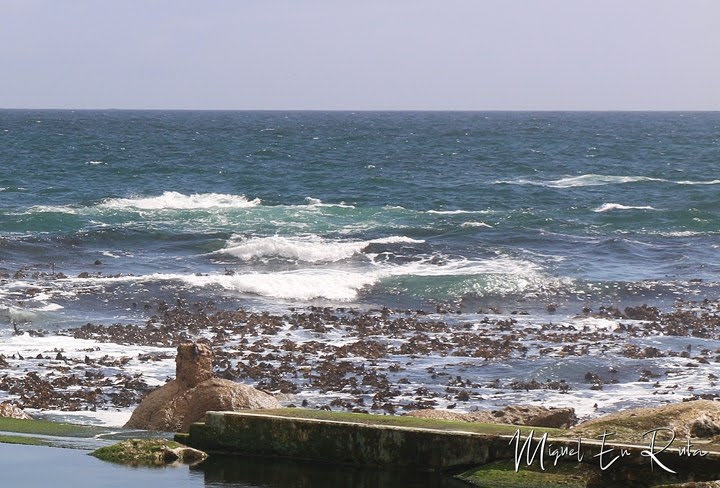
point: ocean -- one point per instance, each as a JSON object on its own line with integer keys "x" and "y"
{"x": 536, "y": 216}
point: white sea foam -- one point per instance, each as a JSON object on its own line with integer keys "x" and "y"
{"x": 174, "y": 200}
{"x": 690, "y": 182}
{"x": 310, "y": 249}
{"x": 345, "y": 284}
{"x": 597, "y": 180}
{"x": 169, "y": 200}
{"x": 607, "y": 207}
{"x": 316, "y": 202}
{"x": 475, "y": 224}
{"x": 94, "y": 163}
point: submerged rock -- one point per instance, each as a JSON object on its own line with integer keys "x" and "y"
{"x": 149, "y": 452}
{"x": 529, "y": 415}
{"x": 8, "y": 410}
{"x": 184, "y": 400}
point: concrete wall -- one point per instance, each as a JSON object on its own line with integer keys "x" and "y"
{"x": 343, "y": 442}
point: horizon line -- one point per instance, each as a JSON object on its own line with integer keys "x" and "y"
{"x": 353, "y": 110}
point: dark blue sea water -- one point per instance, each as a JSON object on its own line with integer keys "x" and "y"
{"x": 400, "y": 208}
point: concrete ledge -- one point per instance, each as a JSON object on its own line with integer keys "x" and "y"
{"x": 341, "y": 442}
{"x": 297, "y": 435}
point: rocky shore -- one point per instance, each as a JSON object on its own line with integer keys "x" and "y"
{"x": 376, "y": 361}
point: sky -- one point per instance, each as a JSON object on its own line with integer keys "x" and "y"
{"x": 361, "y": 55}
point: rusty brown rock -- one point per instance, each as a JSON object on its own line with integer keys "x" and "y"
{"x": 184, "y": 400}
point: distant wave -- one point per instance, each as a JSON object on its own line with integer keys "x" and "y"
{"x": 456, "y": 212}
{"x": 175, "y": 200}
{"x": 606, "y": 207}
{"x": 169, "y": 200}
{"x": 475, "y": 224}
{"x": 310, "y": 249}
{"x": 597, "y": 180}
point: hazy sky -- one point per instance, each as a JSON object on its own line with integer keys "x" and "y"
{"x": 361, "y": 54}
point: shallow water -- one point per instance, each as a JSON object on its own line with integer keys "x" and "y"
{"x": 30, "y": 466}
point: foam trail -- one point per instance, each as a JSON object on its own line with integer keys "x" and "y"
{"x": 598, "y": 180}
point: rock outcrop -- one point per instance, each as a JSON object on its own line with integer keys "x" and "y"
{"x": 194, "y": 391}
{"x": 528, "y": 415}
{"x": 149, "y": 452}
{"x": 698, "y": 418}
{"x": 8, "y": 410}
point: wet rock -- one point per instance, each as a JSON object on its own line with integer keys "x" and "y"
{"x": 185, "y": 400}
{"x": 149, "y": 452}
{"x": 8, "y": 410}
{"x": 642, "y": 312}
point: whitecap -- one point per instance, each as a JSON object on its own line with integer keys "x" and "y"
{"x": 606, "y": 207}
{"x": 171, "y": 200}
{"x": 475, "y": 224}
{"x": 457, "y": 212}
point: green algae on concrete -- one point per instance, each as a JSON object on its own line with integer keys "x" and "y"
{"x": 24, "y": 440}
{"x": 502, "y": 474}
{"x": 45, "y": 427}
{"x": 137, "y": 452}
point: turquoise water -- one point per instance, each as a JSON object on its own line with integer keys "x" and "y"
{"x": 401, "y": 208}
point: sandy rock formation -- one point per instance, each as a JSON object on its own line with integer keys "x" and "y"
{"x": 194, "y": 391}
{"x": 529, "y": 415}
{"x": 698, "y": 418}
{"x": 8, "y": 410}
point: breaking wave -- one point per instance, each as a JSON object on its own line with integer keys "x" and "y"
{"x": 310, "y": 249}
{"x": 172, "y": 200}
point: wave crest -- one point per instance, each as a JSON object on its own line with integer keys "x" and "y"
{"x": 606, "y": 207}
{"x": 311, "y": 249}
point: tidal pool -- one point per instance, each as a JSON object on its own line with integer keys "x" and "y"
{"x": 33, "y": 466}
